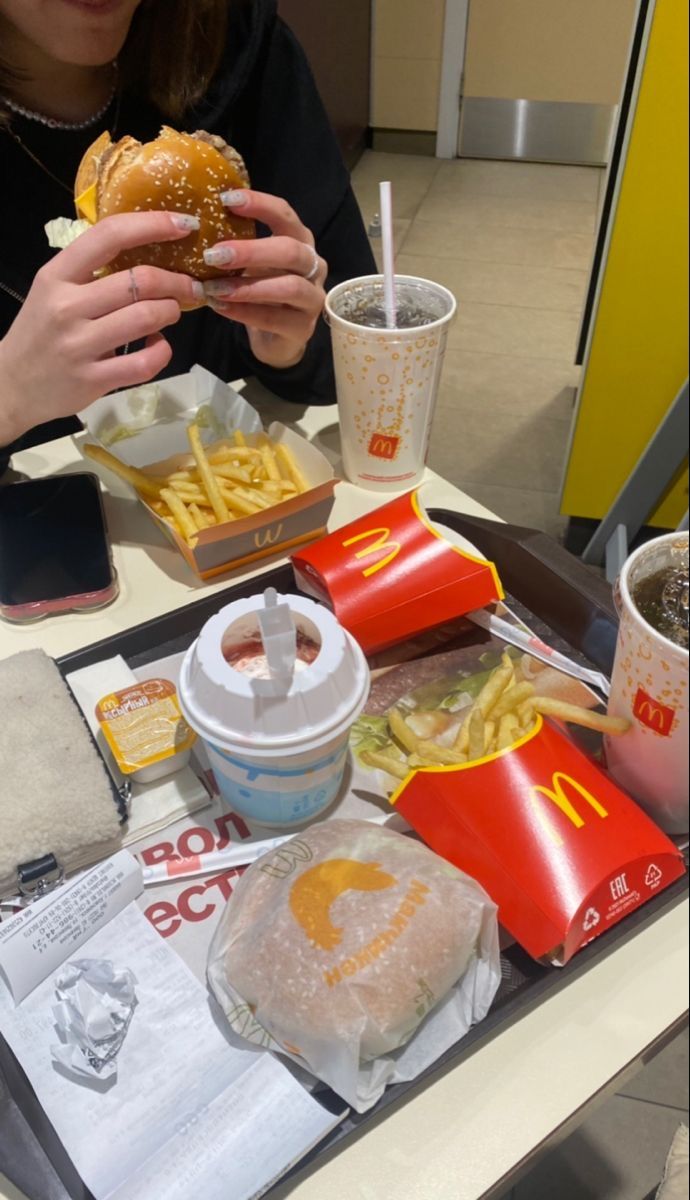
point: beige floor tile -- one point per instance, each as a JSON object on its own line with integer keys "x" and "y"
{"x": 517, "y": 332}
{"x": 507, "y": 388}
{"x": 491, "y": 212}
{"x": 468, "y": 238}
{"x": 618, "y": 1154}
{"x": 375, "y": 166}
{"x": 531, "y": 510}
{"x": 499, "y": 283}
{"x": 400, "y": 232}
{"x": 472, "y": 446}
{"x": 410, "y": 174}
{"x": 537, "y": 181}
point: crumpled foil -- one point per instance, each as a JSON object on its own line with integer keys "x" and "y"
{"x": 97, "y": 1002}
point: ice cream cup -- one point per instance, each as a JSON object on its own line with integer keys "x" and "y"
{"x": 650, "y": 687}
{"x": 278, "y": 745}
{"x": 387, "y": 381}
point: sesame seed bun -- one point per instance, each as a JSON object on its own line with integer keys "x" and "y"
{"x": 178, "y": 172}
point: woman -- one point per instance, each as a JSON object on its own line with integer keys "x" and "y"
{"x": 70, "y": 69}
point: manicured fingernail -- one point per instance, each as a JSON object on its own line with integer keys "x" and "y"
{"x": 234, "y": 199}
{"x": 219, "y": 256}
{"x": 221, "y": 287}
{"x": 185, "y": 221}
{"x": 198, "y": 292}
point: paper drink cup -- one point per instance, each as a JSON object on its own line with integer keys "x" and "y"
{"x": 650, "y": 687}
{"x": 387, "y": 379}
{"x": 278, "y": 747}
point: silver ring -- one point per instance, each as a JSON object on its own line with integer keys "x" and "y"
{"x": 315, "y": 269}
{"x": 133, "y": 289}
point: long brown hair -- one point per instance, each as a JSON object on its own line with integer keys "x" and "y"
{"x": 172, "y": 51}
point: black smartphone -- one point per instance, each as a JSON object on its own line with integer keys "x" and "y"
{"x": 54, "y": 549}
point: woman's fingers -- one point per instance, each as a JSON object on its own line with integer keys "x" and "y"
{"x": 291, "y": 290}
{"x": 285, "y": 322}
{"x": 280, "y": 254}
{"x": 127, "y": 288}
{"x": 128, "y": 370}
{"x": 107, "y": 238}
{"x": 131, "y": 324}
{"x": 282, "y": 220}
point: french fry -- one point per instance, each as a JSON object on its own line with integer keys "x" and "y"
{"x": 489, "y": 736}
{"x": 476, "y": 732}
{"x": 255, "y": 497}
{"x": 526, "y": 714}
{"x": 290, "y": 469}
{"x": 148, "y": 485}
{"x": 180, "y": 513}
{"x": 462, "y": 741}
{"x": 236, "y": 474}
{"x": 615, "y": 726}
{"x": 384, "y": 762}
{"x": 240, "y": 439}
{"x": 233, "y": 454}
{"x": 209, "y": 481}
{"x": 240, "y": 507}
{"x": 512, "y": 698}
{"x": 494, "y": 688}
{"x": 401, "y": 731}
{"x": 508, "y": 731}
{"x": 442, "y": 755}
{"x": 268, "y": 459}
{"x": 199, "y": 517}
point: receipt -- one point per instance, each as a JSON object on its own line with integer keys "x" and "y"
{"x": 40, "y": 938}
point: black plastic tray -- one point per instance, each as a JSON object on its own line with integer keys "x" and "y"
{"x": 571, "y": 607}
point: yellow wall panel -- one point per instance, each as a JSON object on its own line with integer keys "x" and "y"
{"x": 639, "y": 353}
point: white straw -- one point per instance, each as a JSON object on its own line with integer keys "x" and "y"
{"x": 388, "y": 255}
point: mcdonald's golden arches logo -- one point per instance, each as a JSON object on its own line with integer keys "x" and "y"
{"x": 660, "y": 718}
{"x": 384, "y": 445}
{"x": 268, "y": 537}
{"x": 562, "y": 794}
{"x": 380, "y": 543}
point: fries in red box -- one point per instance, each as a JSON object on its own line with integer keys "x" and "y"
{"x": 560, "y": 848}
{"x": 391, "y": 575}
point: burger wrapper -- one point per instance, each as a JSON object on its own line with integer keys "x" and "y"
{"x": 357, "y": 953}
{"x": 392, "y": 575}
{"x": 560, "y": 848}
{"x": 152, "y": 436}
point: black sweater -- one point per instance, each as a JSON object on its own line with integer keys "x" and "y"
{"x": 264, "y": 102}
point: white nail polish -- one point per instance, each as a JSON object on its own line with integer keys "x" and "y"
{"x": 219, "y": 256}
{"x": 185, "y": 221}
{"x": 198, "y": 292}
{"x": 234, "y": 199}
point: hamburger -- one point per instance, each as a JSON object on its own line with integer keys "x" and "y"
{"x": 178, "y": 172}
{"x": 336, "y": 947}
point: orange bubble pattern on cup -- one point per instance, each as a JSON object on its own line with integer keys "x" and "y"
{"x": 389, "y": 402}
{"x": 652, "y": 691}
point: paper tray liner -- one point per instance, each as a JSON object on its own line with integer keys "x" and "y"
{"x": 560, "y": 848}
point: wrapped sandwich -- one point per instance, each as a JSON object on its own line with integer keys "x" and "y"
{"x": 357, "y": 952}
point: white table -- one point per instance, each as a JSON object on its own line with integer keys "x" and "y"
{"x": 476, "y": 1128}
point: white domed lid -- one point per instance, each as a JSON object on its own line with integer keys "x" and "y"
{"x": 273, "y": 673}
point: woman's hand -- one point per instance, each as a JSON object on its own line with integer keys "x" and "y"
{"x": 59, "y": 354}
{"x": 280, "y": 296}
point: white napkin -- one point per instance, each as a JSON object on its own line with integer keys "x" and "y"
{"x": 154, "y": 805}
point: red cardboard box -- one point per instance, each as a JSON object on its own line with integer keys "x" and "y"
{"x": 392, "y": 575}
{"x": 560, "y": 848}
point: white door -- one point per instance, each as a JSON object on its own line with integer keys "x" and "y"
{"x": 541, "y": 80}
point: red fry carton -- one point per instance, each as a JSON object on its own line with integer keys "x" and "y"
{"x": 558, "y": 846}
{"x": 392, "y": 575}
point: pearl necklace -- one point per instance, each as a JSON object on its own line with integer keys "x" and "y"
{"x": 52, "y": 122}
